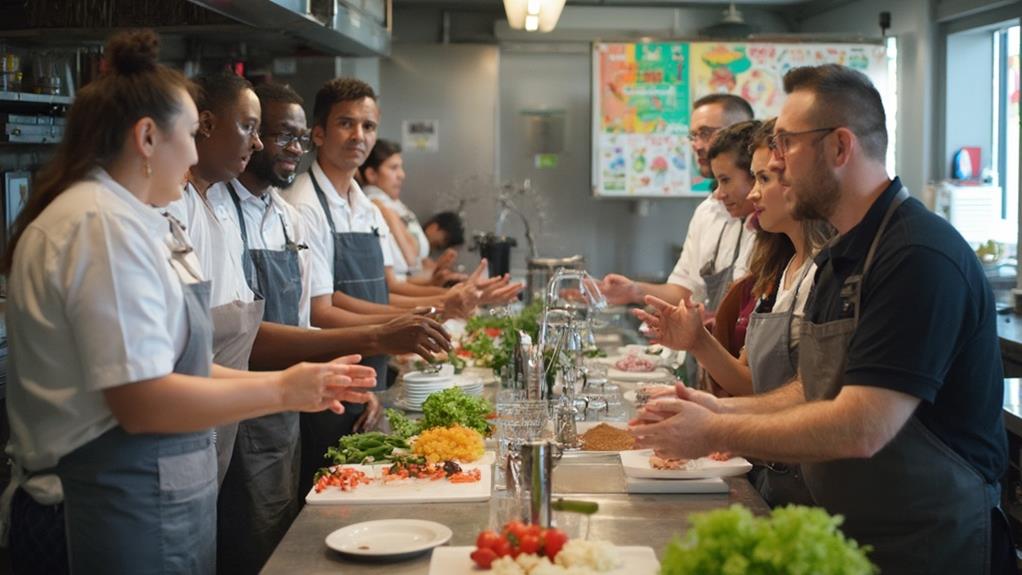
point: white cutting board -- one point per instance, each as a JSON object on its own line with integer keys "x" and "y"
{"x": 406, "y": 490}
{"x": 457, "y": 561}
{"x": 658, "y": 374}
{"x": 637, "y": 485}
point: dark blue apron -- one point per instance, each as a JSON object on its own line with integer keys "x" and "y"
{"x": 259, "y": 497}
{"x": 358, "y": 272}
{"x": 146, "y": 503}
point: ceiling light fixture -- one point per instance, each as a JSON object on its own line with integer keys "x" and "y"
{"x": 533, "y": 15}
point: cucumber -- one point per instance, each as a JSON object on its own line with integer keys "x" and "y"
{"x": 576, "y": 506}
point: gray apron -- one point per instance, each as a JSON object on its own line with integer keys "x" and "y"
{"x": 358, "y": 272}
{"x": 146, "y": 503}
{"x": 773, "y": 362}
{"x": 717, "y": 283}
{"x": 259, "y": 497}
{"x": 235, "y": 326}
{"x": 921, "y": 506}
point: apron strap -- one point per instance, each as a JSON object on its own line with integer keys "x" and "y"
{"x": 322, "y": 201}
{"x": 246, "y": 262}
{"x": 738, "y": 244}
{"x": 181, "y": 247}
{"x": 899, "y": 198}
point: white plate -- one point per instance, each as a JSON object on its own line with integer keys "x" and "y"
{"x": 446, "y": 372}
{"x": 659, "y": 374}
{"x": 407, "y": 490}
{"x": 457, "y": 561}
{"x": 714, "y": 485}
{"x": 388, "y": 537}
{"x": 636, "y": 464}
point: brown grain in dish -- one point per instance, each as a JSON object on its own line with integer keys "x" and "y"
{"x": 605, "y": 437}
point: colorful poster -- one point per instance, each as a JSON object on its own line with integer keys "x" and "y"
{"x": 641, "y": 114}
{"x": 755, "y": 71}
{"x": 642, "y": 94}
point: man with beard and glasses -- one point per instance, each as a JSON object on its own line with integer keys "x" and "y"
{"x": 896, "y": 412}
{"x": 261, "y": 492}
{"x": 716, "y": 247}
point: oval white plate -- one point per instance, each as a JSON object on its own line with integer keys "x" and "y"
{"x": 388, "y": 537}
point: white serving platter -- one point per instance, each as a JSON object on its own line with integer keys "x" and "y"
{"x": 457, "y": 561}
{"x": 407, "y": 490}
{"x": 636, "y": 464}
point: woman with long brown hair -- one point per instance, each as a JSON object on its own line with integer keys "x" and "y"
{"x": 112, "y": 391}
{"x": 781, "y": 270}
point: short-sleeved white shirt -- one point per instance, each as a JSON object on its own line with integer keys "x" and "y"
{"x": 219, "y": 252}
{"x": 94, "y": 302}
{"x": 266, "y": 219}
{"x": 402, "y": 268}
{"x": 360, "y": 215}
{"x": 704, "y": 230}
{"x": 786, "y": 298}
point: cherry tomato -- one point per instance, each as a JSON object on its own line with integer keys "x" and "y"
{"x": 487, "y": 539}
{"x": 553, "y": 541}
{"x": 516, "y": 528}
{"x": 502, "y": 547}
{"x": 534, "y": 529}
{"x": 483, "y": 557}
{"x": 529, "y": 544}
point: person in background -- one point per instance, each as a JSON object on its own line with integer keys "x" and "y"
{"x": 445, "y": 233}
{"x": 896, "y": 413}
{"x": 781, "y": 270}
{"x": 112, "y": 388}
{"x": 716, "y": 248}
{"x": 383, "y": 173}
{"x": 349, "y": 250}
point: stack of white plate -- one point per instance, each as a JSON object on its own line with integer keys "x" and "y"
{"x": 420, "y": 385}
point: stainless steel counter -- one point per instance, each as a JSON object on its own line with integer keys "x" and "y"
{"x": 651, "y": 520}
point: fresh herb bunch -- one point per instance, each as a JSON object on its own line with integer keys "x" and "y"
{"x": 793, "y": 540}
{"x": 372, "y": 446}
{"x": 454, "y": 407}
{"x": 400, "y": 425}
{"x": 492, "y": 339}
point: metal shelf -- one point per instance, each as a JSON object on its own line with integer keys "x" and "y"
{"x": 28, "y": 98}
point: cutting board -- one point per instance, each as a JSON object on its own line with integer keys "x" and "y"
{"x": 456, "y": 561}
{"x": 406, "y": 490}
{"x": 637, "y": 485}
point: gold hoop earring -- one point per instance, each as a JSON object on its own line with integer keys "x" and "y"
{"x": 148, "y": 169}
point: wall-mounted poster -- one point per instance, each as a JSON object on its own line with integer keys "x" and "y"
{"x": 642, "y": 93}
{"x": 643, "y": 112}
{"x": 420, "y": 135}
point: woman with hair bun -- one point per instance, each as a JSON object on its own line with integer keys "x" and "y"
{"x": 112, "y": 392}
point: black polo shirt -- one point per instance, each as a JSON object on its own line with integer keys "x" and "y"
{"x": 926, "y": 327}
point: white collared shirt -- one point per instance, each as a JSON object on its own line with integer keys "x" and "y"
{"x": 94, "y": 302}
{"x": 266, "y": 220}
{"x": 402, "y": 269}
{"x": 357, "y": 214}
{"x": 704, "y": 229}
{"x": 219, "y": 252}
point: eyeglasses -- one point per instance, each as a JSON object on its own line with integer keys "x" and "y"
{"x": 780, "y": 142}
{"x": 285, "y": 140}
{"x": 704, "y": 134}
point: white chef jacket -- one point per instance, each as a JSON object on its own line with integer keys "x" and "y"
{"x": 94, "y": 302}
{"x": 402, "y": 269}
{"x": 360, "y": 215}
{"x": 219, "y": 252}
{"x": 266, "y": 219}
{"x": 701, "y": 241}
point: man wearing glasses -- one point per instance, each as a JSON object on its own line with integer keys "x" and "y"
{"x": 716, "y": 248}
{"x": 896, "y": 416}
